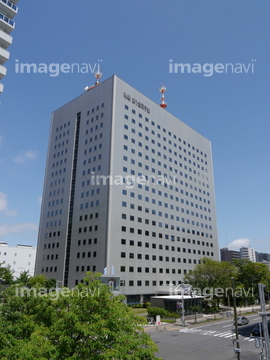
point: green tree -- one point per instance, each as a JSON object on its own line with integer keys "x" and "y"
{"x": 83, "y": 323}
{"x": 6, "y": 274}
{"x": 24, "y": 277}
{"x": 212, "y": 279}
{"x": 249, "y": 275}
{"x": 37, "y": 281}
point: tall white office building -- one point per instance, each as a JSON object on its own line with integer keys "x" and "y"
{"x": 128, "y": 192}
{"x": 248, "y": 253}
{"x": 8, "y": 9}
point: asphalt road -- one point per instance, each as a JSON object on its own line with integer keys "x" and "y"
{"x": 211, "y": 341}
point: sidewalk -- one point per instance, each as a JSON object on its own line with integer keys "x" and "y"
{"x": 227, "y": 313}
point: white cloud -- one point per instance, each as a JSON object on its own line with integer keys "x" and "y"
{"x": 4, "y": 206}
{"x": 24, "y": 156}
{"x": 238, "y": 243}
{"x": 3, "y": 202}
{"x": 40, "y": 199}
{"x": 17, "y": 229}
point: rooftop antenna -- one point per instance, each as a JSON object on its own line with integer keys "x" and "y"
{"x": 162, "y": 89}
{"x": 98, "y": 75}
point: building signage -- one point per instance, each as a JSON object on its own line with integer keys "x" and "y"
{"x": 136, "y": 102}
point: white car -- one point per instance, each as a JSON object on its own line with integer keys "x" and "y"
{"x": 242, "y": 320}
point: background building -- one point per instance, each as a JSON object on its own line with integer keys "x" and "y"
{"x": 248, "y": 253}
{"x": 20, "y": 258}
{"x": 148, "y": 232}
{"x": 8, "y": 9}
{"x": 229, "y": 255}
{"x": 261, "y": 257}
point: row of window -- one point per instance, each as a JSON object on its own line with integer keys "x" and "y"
{"x": 154, "y": 212}
{"x": 63, "y": 126}
{"x": 175, "y": 170}
{"x": 94, "y": 159}
{"x": 92, "y": 129}
{"x": 160, "y": 224}
{"x": 86, "y": 254}
{"x": 85, "y": 268}
{"x": 51, "y": 246}
{"x": 53, "y": 223}
{"x": 90, "y": 228}
{"x": 95, "y": 148}
{"x": 91, "y": 204}
{"x": 91, "y": 216}
{"x": 146, "y": 198}
{"x": 90, "y": 193}
{"x": 95, "y": 109}
{"x": 60, "y": 153}
{"x": 132, "y": 269}
{"x": 15, "y": 254}
{"x": 49, "y": 269}
{"x": 63, "y": 143}
{"x": 91, "y": 139}
{"x": 50, "y": 257}
{"x": 166, "y": 258}
{"x": 165, "y": 131}
{"x": 85, "y": 242}
{"x": 167, "y": 247}
{"x": 60, "y": 135}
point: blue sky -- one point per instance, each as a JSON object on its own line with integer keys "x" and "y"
{"x": 136, "y": 41}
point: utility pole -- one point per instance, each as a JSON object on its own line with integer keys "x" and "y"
{"x": 264, "y": 322}
{"x": 237, "y": 349}
{"x": 183, "y": 307}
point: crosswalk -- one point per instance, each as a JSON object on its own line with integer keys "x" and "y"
{"x": 225, "y": 335}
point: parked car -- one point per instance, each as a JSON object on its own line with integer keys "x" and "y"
{"x": 258, "y": 329}
{"x": 242, "y": 320}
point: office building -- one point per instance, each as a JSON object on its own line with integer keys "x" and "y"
{"x": 248, "y": 253}
{"x": 20, "y": 258}
{"x": 8, "y": 9}
{"x": 229, "y": 255}
{"x": 128, "y": 192}
{"x": 262, "y": 257}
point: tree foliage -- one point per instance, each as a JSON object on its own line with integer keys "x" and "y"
{"x": 24, "y": 278}
{"x": 6, "y": 274}
{"x": 216, "y": 275}
{"x": 86, "y": 322}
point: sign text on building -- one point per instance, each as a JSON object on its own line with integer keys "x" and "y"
{"x": 136, "y": 102}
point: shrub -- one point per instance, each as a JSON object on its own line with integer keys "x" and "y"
{"x": 154, "y": 311}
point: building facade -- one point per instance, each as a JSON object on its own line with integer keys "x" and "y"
{"x": 262, "y": 257}
{"x": 229, "y": 255}
{"x": 8, "y": 9}
{"x": 128, "y": 192}
{"x": 20, "y": 258}
{"x": 248, "y": 254}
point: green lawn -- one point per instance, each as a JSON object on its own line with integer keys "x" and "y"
{"x": 139, "y": 311}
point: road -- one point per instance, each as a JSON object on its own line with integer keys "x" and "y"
{"x": 211, "y": 341}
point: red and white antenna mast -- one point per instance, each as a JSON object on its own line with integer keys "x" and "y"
{"x": 98, "y": 75}
{"x": 162, "y": 89}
